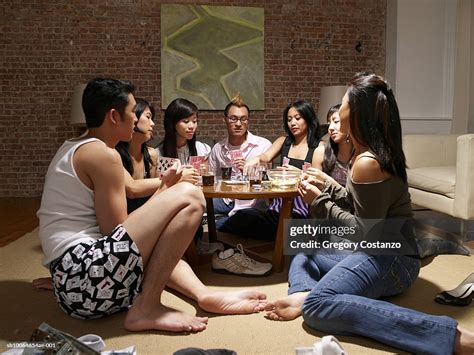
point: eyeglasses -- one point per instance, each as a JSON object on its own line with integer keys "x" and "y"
{"x": 234, "y": 119}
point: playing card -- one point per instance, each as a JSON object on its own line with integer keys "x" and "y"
{"x": 306, "y": 166}
{"x": 286, "y": 161}
{"x": 236, "y": 154}
{"x": 164, "y": 164}
{"x": 196, "y": 160}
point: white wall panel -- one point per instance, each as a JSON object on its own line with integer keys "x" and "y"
{"x": 425, "y": 64}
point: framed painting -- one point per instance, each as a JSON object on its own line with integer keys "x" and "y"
{"x": 209, "y": 54}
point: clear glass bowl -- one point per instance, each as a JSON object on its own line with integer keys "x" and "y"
{"x": 284, "y": 179}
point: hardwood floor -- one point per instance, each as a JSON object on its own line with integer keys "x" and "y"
{"x": 17, "y": 217}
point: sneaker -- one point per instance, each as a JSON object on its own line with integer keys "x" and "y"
{"x": 237, "y": 262}
{"x": 204, "y": 248}
{"x": 329, "y": 345}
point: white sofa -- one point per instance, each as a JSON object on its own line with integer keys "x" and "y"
{"x": 441, "y": 173}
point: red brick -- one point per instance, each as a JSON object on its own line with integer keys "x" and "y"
{"x": 49, "y": 46}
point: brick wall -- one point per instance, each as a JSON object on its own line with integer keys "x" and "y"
{"x": 48, "y": 46}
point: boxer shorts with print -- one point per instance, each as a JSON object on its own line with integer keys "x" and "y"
{"x": 94, "y": 280}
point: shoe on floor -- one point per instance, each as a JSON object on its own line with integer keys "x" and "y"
{"x": 204, "y": 248}
{"x": 329, "y": 345}
{"x": 237, "y": 262}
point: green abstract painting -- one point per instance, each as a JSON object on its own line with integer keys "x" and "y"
{"x": 211, "y": 53}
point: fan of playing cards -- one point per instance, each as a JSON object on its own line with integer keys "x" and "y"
{"x": 164, "y": 164}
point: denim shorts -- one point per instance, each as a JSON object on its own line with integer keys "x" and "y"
{"x": 94, "y": 280}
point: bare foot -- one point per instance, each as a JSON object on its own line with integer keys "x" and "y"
{"x": 287, "y": 308}
{"x": 162, "y": 318}
{"x": 43, "y": 284}
{"x": 464, "y": 343}
{"x": 239, "y": 302}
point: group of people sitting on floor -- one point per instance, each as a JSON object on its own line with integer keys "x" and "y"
{"x": 114, "y": 233}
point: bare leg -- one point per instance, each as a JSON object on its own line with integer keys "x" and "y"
{"x": 163, "y": 229}
{"x": 186, "y": 282}
{"x": 287, "y": 308}
{"x": 464, "y": 341}
{"x": 43, "y": 284}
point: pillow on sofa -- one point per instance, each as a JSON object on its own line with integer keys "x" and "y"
{"x": 437, "y": 179}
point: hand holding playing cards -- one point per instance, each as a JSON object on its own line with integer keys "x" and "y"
{"x": 316, "y": 177}
{"x": 190, "y": 175}
{"x": 173, "y": 174}
{"x": 307, "y": 191}
{"x": 239, "y": 163}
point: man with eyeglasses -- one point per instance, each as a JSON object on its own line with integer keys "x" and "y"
{"x": 236, "y": 118}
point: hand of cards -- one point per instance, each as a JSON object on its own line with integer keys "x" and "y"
{"x": 195, "y": 161}
{"x": 305, "y": 168}
{"x": 164, "y": 164}
{"x": 235, "y": 154}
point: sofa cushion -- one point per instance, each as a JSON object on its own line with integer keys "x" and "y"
{"x": 437, "y": 179}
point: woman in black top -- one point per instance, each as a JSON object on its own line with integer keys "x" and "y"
{"x": 297, "y": 147}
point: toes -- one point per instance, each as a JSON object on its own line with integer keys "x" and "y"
{"x": 203, "y": 319}
{"x": 270, "y": 306}
{"x": 273, "y": 316}
{"x": 199, "y": 327}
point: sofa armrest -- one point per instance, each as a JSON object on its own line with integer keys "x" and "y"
{"x": 430, "y": 150}
{"x": 464, "y": 194}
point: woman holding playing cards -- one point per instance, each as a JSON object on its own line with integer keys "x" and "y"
{"x": 297, "y": 150}
{"x": 338, "y": 291}
{"x": 334, "y": 155}
{"x": 138, "y": 159}
{"x": 180, "y": 123}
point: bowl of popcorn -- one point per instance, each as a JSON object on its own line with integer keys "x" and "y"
{"x": 283, "y": 178}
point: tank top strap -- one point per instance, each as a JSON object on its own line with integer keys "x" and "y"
{"x": 309, "y": 155}
{"x": 285, "y": 149}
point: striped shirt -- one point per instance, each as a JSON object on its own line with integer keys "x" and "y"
{"x": 300, "y": 208}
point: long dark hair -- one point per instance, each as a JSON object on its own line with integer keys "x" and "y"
{"x": 306, "y": 111}
{"x": 375, "y": 121}
{"x": 176, "y": 111}
{"x": 332, "y": 148}
{"x": 122, "y": 147}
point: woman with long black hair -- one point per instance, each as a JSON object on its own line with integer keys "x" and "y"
{"x": 338, "y": 291}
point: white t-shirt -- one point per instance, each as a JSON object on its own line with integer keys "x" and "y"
{"x": 67, "y": 212}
